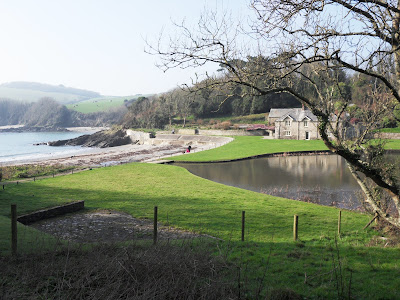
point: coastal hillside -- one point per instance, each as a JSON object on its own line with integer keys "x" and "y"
{"x": 33, "y": 91}
{"x": 48, "y": 113}
{"x": 103, "y": 103}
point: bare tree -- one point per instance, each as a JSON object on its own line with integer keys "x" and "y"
{"x": 307, "y": 48}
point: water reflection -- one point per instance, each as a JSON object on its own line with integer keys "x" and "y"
{"x": 323, "y": 179}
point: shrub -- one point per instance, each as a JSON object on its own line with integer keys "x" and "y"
{"x": 109, "y": 272}
{"x": 223, "y": 125}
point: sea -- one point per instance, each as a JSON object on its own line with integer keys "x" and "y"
{"x": 16, "y": 147}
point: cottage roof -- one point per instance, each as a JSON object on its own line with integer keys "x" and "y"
{"x": 297, "y": 114}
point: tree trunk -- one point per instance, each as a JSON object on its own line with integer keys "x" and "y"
{"x": 370, "y": 200}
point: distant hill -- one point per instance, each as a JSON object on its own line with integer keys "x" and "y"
{"x": 33, "y": 91}
{"x": 103, "y": 103}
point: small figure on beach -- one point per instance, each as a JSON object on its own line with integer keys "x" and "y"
{"x": 188, "y": 149}
{"x": 173, "y": 131}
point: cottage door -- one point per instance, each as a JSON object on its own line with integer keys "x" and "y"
{"x": 307, "y": 135}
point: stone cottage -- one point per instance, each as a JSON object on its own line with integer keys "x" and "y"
{"x": 294, "y": 123}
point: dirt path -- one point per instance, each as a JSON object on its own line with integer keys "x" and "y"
{"x": 106, "y": 226}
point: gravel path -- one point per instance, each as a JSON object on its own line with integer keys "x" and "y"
{"x": 106, "y": 226}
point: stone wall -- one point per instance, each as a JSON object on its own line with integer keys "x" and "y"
{"x": 187, "y": 131}
{"x": 186, "y": 140}
{"x": 387, "y": 135}
{"x": 232, "y": 132}
{"x": 139, "y": 137}
{"x": 51, "y": 212}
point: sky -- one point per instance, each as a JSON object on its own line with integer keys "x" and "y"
{"x": 96, "y": 45}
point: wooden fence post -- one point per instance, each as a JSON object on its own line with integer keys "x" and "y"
{"x": 243, "y": 223}
{"x": 14, "y": 229}
{"x": 155, "y": 225}
{"x": 295, "y": 227}
{"x": 339, "y": 222}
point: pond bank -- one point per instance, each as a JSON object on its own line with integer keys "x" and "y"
{"x": 278, "y": 154}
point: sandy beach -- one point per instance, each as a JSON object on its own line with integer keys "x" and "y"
{"x": 163, "y": 146}
{"x": 115, "y": 155}
{"x": 107, "y": 156}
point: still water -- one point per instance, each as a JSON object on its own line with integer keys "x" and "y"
{"x": 323, "y": 179}
{"x": 20, "y": 146}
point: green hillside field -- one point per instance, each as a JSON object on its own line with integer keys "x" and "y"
{"x": 98, "y": 104}
{"x": 101, "y": 103}
{"x": 27, "y": 95}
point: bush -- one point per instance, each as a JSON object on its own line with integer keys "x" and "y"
{"x": 110, "y": 272}
{"x": 388, "y": 123}
{"x": 223, "y": 125}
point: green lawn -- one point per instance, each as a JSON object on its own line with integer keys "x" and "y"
{"x": 193, "y": 203}
{"x": 390, "y": 130}
{"x": 310, "y": 266}
{"x": 248, "y": 146}
{"x": 392, "y": 144}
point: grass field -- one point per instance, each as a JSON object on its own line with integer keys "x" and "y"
{"x": 192, "y": 203}
{"x": 319, "y": 265}
{"x": 248, "y": 146}
{"x": 390, "y": 130}
{"x": 98, "y": 104}
{"x": 28, "y": 95}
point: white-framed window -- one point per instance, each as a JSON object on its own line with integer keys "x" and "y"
{"x": 287, "y": 133}
{"x": 288, "y": 122}
{"x": 305, "y": 122}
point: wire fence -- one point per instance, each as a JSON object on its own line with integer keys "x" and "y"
{"x": 108, "y": 225}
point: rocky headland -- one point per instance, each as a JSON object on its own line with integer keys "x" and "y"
{"x": 101, "y": 139}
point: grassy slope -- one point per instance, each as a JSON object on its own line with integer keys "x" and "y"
{"x": 390, "y": 130}
{"x": 33, "y": 95}
{"x": 97, "y": 104}
{"x": 194, "y": 203}
{"x": 247, "y": 146}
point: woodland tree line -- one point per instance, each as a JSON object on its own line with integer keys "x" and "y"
{"x": 205, "y": 99}
{"x": 209, "y": 100}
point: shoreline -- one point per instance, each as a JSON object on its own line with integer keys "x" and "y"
{"x": 85, "y": 129}
{"x": 163, "y": 147}
{"x": 92, "y": 157}
{"x": 100, "y": 157}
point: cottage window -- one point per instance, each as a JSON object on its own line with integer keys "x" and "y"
{"x": 287, "y": 133}
{"x": 305, "y": 123}
{"x": 288, "y": 122}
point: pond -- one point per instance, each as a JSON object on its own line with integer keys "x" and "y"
{"x": 322, "y": 179}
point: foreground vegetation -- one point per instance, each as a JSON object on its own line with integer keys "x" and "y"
{"x": 315, "y": 266}
{"x": 8, "y": 173}
{"x": 184, "y": 271}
